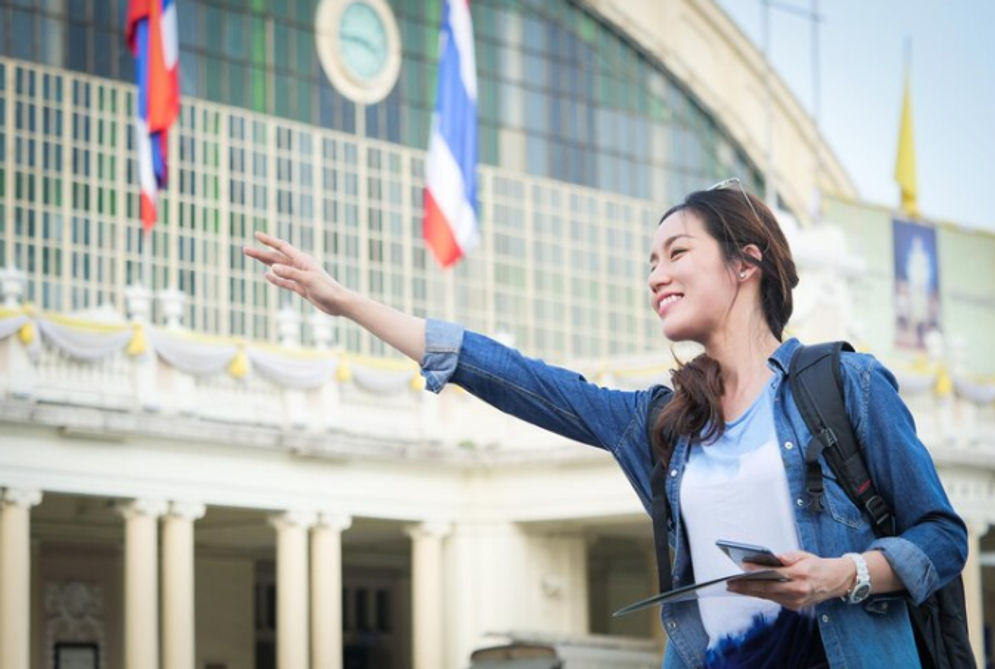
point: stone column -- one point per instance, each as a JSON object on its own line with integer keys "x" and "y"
{"x": 973, "y": 593}
{"x": 426, "y": 594}
{"x": 326, "y": 590}
{"x": 15, "y": 576}
{"x": 291, "y": 588}
{"x": 141, "y": 587}
{"x": 178, "y": 585}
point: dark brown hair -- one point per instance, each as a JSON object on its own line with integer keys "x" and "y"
{"x": 695, "y": 410}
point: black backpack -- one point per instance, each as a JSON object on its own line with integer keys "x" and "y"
{"x": 939, "y": 623}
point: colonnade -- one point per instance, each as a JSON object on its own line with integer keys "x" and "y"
{"x": 309, "y": 585}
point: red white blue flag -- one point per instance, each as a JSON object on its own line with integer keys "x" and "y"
{"x": 450, "y": 224}
{"x": 151, "y": 35}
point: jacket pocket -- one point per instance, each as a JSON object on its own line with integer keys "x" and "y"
{"x": 838, "y": 503}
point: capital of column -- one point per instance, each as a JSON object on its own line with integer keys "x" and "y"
{"x": 171, "y": 302}
{"x": 138, "y": 300}
{"x": 430, "y": 529}
{"x": 321, "y": 329}
{"x": 137, "y": 508}
{"x": 292, "y": 518}
{"x": 12, "y": 282}
{"x": 26, "y": 497}
{"x": 288, "y": 327}
{"x": 186, "y": 510}
{"x": 339, "y": 522}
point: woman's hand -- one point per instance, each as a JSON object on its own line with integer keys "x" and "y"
{"x": 295, "y": 270}
{"x": 813, "y": 579}
{"x": 291, "y": 268}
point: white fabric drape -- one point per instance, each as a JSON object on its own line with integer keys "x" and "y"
{"x": 381, "y": 381}
{"x": 975, "y": 392}
{"x": 82, "y": 343}
{"x": 910, "y": 383}
{"x": 191, "y": 355}
{"x": 292, "y": 372}
{"x": 11, "y": 324}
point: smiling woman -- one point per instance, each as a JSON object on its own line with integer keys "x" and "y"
{"x": 721, "y": 275}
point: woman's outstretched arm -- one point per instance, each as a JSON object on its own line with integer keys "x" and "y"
{"x": 556, "y": 399}
{"x": 292, "y": 269}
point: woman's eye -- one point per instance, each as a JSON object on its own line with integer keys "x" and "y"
{"x": 676, "y": 252}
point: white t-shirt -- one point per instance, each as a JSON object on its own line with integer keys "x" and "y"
{"x": 735, "y": 488}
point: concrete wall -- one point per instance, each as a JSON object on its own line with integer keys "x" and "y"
{"x": 224, "y": 605}
{"x": 98, "y": 566}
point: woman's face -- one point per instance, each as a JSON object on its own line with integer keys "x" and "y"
{"x": 692, "y": 287}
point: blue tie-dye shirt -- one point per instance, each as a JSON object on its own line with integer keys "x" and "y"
{"x": 735, "y": 488}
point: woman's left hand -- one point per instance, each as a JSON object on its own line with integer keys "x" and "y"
{"x": 812, "y": 579}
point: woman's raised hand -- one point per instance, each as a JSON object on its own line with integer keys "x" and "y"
{"x": 291, "y": 268}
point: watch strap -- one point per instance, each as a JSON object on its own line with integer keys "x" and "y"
{"x": 862, "y": 584}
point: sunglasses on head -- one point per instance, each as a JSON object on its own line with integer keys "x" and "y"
{"x": 734, "y": 182}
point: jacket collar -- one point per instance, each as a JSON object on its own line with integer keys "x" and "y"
{"x": 781, "y": 359}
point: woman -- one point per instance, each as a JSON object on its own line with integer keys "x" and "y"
{"x": 721, "y": 274}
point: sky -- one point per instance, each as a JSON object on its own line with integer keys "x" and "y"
{"x": 862, "y": 66}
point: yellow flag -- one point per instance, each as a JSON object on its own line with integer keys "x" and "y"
{"x": 905, "y": 161}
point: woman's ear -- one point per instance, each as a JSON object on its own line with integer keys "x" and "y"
{"x": 750, "y": 262}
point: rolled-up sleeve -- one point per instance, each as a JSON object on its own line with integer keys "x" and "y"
{"x": 930, "y": 546}
{"x": 442, "y": 344}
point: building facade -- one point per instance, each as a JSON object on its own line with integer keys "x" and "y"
{"x": 200, "y": 471}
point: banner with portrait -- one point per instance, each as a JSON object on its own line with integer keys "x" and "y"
{"x": 917, "y": 283}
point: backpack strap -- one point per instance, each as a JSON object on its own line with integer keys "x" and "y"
{"x": 815, "y": 373}
{"x": 660, "y": 509}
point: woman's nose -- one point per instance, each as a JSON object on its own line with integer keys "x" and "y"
{"x": 658, "y": 277}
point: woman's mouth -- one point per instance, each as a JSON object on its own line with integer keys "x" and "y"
{"x": 668, "y": 301}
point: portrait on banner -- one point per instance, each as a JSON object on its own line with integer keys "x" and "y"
{"x": 917, "y": 283}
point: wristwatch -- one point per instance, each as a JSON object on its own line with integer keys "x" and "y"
{"x": 862, "y": 587}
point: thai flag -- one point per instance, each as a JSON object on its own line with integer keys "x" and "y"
{"x": 151, "y": 35}
{"x": 450, "y": 224}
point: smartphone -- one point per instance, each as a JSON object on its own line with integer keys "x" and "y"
{"x": 740, "y": 553}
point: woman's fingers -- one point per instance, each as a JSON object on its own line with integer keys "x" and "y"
{"x": 265, "y": 256}
{"x": 289, "y": 272}
{"x": 284, "y": 247}
{"x": 284, "y": 283}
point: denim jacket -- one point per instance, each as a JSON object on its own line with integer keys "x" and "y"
{"x": 930, "y": 546}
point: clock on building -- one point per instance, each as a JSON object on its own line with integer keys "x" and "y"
{"x": 359, "y": 47}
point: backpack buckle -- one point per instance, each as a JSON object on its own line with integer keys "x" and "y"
{"x": 878, "y": 510}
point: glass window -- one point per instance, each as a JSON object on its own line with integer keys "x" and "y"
{"x": 281, "y": 45}
{"x": 189, "y": 20}
{"x": 234, "y": 35}
{"x": 257, "y": 50}
{"x": 101, "y": 12}
{"x": 53, "y": 44}
{"x": 212, "y": 28}
{"x": 258, "y": 86}
{"x": 102, "y": 56}
{"x": 213, "y": 78}
{"x": 22, "y": 32}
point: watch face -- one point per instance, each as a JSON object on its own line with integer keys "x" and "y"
{"x": 860, "y": 594}
{"x": 362, "y": 40}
